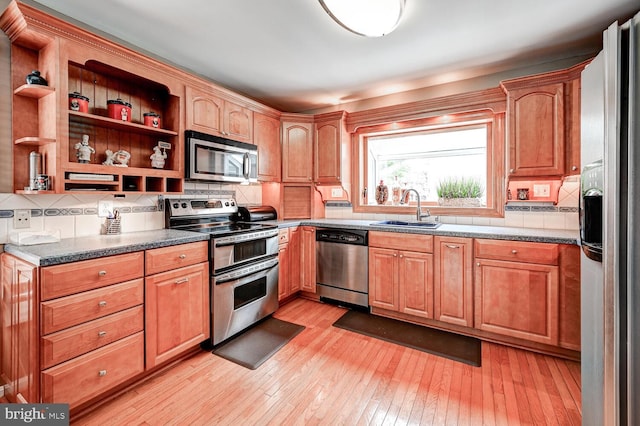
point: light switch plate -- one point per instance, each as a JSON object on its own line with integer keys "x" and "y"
{"x": 541, "y": 190}
{"x": 105, "y": 208}
{"x": 336, "y": 192}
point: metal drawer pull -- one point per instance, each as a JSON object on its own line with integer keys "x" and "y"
{"x": 102, "y": 333}
{"x": 102, "y": 303}
{"x": 102, "y": 273}
{"x": 183, "y": 256}
{"x": 102, "y": 373}
{"x": 452, "y": 246}
{"x": 514, "y": 251}
{"x": 182, "y": 281}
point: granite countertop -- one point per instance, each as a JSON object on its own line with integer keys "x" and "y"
{"x": 558, "y": 236}
{"x": 91, "y": 247}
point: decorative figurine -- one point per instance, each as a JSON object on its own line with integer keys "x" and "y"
{"x": 36, "y": 78}
{"x": 382, "y": 193}
{"x": 83, "y": 150}
{"x": 157, "y": 158}
{"x": 119, "y": 158}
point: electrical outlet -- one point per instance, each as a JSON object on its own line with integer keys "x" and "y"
{"x": 541, "y": 190}
{"x": 336, "y": 192}
{"x": 105, "y": 208}
{"x": 22, "y": 219}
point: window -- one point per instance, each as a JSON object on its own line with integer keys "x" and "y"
{"x": 422, "y": 154}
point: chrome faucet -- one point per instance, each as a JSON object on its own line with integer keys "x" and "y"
{"x": 419, "y": 215}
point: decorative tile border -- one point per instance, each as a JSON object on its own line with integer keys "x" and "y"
{"x": 77, "y": 211}
{"x": 540, "y": 209}
{"x": 338, "y": 204}
{"x": 217, "y": 192}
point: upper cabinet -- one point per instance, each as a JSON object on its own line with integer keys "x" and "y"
{"x": 332, "y": 149}
{"x": 266, "y": 135}
{"x": 211, "y": 114}
{"x": 297, "y": 148}
{"x": 543, "y": 124}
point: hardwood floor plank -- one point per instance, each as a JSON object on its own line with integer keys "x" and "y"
{"x": 330, "y": 376}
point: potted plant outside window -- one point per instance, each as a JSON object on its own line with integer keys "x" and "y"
{"x": 460, "y": 192}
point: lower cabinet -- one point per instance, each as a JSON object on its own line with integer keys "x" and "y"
{"x": 515, "y": 295}
{"x": 289, "y": 277}
{"x": 308, "y": 261}
{"x": 453, "y": 280}
{"x": 401, "y": 280}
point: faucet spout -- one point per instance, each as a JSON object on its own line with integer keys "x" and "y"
{"x": 419, "y": 214}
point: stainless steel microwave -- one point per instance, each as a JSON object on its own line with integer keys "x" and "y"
{"x": 215, "y": 159}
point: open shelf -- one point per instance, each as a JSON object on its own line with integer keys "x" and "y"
{"x": 34, "y": 140}
{"x": 98, "y": 120}
{"x": 33, "y": 90}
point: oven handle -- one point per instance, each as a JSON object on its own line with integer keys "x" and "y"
{"x": 241, "y": 238}
{"x": 246, "y": 274}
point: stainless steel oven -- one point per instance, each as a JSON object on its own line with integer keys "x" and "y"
{"x": 243, "y": 260}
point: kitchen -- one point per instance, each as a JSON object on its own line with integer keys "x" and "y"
{"x": 75, "y": 215}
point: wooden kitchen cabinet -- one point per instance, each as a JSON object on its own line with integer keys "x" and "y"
{"x": 266, "y": 135}
{"x": 209, "y": 113}
{"x": 176, "y": 300}
{"x": 19, "y": 310}
{"x": 516, "y": 289}
{"x": 289, "y": 259}
{"x": 453, "y": 280}
{"x": 297, "y": 148}
{"x": 401, "y": 273}
{"x": 332, "y": 149}
{"x": 308, "y": 260}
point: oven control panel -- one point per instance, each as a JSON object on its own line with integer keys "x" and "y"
{"x": 201, "y": 207}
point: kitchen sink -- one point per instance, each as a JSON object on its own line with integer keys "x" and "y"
{"x": 431, "y": 225}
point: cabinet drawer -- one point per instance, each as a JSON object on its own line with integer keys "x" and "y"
{"x": 72, "y": 310}
{"x": 72, "y": 342}
{"x": 543, "y": 253}
{"x": 409, "y": 242}
{"x": 70, "y": 278}
{"x": 283, "y": 236}
{"x": 172, "y": 257}
{"x": 89, "y": 375}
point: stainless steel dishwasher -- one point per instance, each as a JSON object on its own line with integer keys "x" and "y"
{"x": 342, "y": 272}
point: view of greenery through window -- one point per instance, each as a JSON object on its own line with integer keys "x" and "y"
{"x": 422, "y": 160}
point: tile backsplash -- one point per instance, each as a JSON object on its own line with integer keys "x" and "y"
{"x": 77, "y": 215}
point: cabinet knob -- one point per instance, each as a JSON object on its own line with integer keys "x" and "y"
{"x": 510, "y": 170}
{"x": 451, "y": 246}
{"x": 102, "y": 333}
{"x": 401, "y": 256}
{"x": 395, "y": 255}
{"x": 514, "y": 251}
{"x": 574, "y": 168}
{"x": 102, "y": 373}
{"x": 183, "y": 256}
{"x": 182, "y": 281}
{"x": 102, "y": 273}
{"x": 477, "y": 263}
{"x": 102, "y": 303}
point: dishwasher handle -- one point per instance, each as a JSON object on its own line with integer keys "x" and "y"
{"x": 356, "y": 237}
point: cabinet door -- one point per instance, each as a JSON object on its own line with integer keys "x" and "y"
{"x": 573, "y": 96}
{"x": 569, "y": 328}
{"x": 308, "y": 259}
{"x": 327, "y": 148}
{"x": 536, "y": 131}
{"x": 297, "y": 152}
{"x": 266, "y": 135}
{"x": 517, "y": 299}
{"x": 415, "y": 283}
{"x": 204, "y": 112}
{"x": 453, "y": 280}
{"x": 283, "y": 272}
{"x": 383, "y": 278}
{"x": 295, "y": 277}
{"x": 238, "y": 122}
{"x": 177, "y": 311}
{"x": 20, "y": 335}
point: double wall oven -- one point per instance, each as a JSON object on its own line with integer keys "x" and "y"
{"x": 243, "y": 261}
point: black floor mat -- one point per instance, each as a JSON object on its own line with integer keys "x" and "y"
{"x": 256, "y": 345}
{"x": 442, "y": 343}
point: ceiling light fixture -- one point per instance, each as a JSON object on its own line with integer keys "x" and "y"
{"x": 369, "y": 18}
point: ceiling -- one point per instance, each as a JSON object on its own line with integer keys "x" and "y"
{"x": 289, "y": 54}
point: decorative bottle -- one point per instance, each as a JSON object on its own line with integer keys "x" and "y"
{"x": 382, "y": 193}
{"x": 396, "y": 192}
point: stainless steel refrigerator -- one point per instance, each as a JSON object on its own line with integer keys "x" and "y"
{"x": 610, "y": 230}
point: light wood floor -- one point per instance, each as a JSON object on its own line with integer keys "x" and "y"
{"x": 330, "y": 376}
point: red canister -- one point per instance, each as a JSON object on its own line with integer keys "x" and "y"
{"x": 78, "y": 102}
{"x": 152, "y": 119}
{"x": 119, "y": 109}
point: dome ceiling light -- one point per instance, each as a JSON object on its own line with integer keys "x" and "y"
{"x": 369, "y": 18}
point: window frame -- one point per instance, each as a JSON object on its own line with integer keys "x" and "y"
{"x": 495, "y": 188}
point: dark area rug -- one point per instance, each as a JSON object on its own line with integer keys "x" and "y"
{"x": 437, "y": 342}
{"x": 254, "y": 346}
